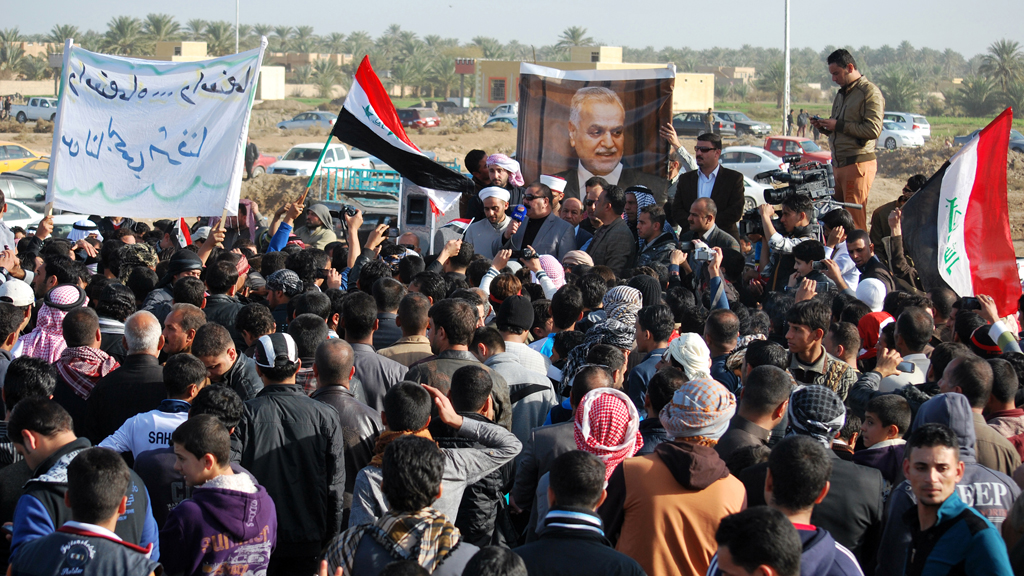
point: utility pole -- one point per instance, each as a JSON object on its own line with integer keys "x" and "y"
{"x": 236, "y": 27}
{"x": 785, "y": 93}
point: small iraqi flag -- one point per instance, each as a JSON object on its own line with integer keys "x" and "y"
{"x": 182, "y": 233}
{"x": 957, "y": 227}
{"x": 368, "y": 120}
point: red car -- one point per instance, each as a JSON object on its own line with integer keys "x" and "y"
{"x": 418, "y": 117}
{"x": 261, "y": 165}
{"x": 805, "y": 147}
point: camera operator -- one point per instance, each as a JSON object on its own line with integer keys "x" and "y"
{"x": 542, "y": 229}
{"x": 658, "y": 243}
{"x": 852, "y": 129}
{"x": 795, "y": 218}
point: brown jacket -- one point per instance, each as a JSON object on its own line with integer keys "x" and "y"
{"x": 857, "y": 110}
{"x": 613, "y": 246}
{"x": 992, "y": 449}
{"x": 663, "y": 509}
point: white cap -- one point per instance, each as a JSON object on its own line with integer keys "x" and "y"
{"x": 495, "y": 192}
{"x": 201, "y": 233}
{"x": 554, "y": 182}
{"x": 16, "y": 292}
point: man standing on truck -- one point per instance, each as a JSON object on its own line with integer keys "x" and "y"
{"x": 852, "y": 129}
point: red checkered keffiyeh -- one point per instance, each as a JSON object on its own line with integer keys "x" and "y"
{"x": 608, "y": 426}
{"x": 82, "y": 367}
{"x": 46, "y": 342}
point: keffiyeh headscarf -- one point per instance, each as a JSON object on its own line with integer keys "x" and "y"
{"x": 643, "y": 198}
{"x": 816, "y": 411}
{"x": 700, "y": 409}
{"x": 690, "y": 352}
{"x": 515, "y": 175}
{"x": 611, "y": 332}
{"x": 132, "y": 255}
{"x": 83, "y": 229}
{"x": 553, "y": 269}
{"x": 623, "y": 303}
{"x": 231, "y": 222}
{"x": 46, "y": 341}
{"x": 608, "y": 426}
{"x": 425, "y": 537}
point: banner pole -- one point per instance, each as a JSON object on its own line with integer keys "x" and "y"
{"x": 316, "y": 168}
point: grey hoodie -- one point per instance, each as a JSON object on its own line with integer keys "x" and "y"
{"x": 989, "y": 492}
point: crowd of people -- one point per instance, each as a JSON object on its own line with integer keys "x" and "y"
{"x": 614, "y": 383}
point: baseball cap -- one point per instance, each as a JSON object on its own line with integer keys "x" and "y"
{"x": 17, "y": 293}
{"x": 201, "y": 233}
{"x": 275, "y": 349}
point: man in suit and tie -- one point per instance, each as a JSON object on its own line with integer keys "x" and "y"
{"x": 702, "y": 220}
{"x": 542, "y": 229}
{"x": 597, "y": 121}
{"x": 711, "y": 180}
{"x": 572, "y": 212}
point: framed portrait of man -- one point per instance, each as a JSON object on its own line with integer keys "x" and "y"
{"x": 582, "y": 123}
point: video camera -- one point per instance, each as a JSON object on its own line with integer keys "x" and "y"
{"x": 701, "y": 252}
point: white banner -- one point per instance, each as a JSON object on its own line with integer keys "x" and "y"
{"x": 151, "y": 139}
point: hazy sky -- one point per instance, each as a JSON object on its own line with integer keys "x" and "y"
{"x": 968, "y": 27}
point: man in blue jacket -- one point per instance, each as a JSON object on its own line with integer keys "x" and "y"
{"x": 41, "y": 431}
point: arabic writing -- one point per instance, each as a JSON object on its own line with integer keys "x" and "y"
{"x": 190, "y": 146}
{"x": 951, "y": 255}
{"x": 100, "y": 82}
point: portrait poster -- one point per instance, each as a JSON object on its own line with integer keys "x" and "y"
{"x": 579, "y": 123}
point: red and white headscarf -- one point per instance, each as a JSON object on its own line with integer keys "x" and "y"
{"x": 231, "y": 222}
{"x": 608, "y": 426}
{"x": 515, "y": 175}
{"x": 46, "y": 341}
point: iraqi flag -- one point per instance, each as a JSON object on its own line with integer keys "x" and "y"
{"x": 957, "y": 228}
{"x": 368, "y": 121}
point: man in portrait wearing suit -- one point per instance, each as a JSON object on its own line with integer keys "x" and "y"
{"x": 597, "y": 121}
{"x": 711, "y": 180}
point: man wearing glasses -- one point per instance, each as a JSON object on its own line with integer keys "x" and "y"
{"x": 542, "y": 229}
{"x": 880, "y": 229}
{"x": 711, "y": 180}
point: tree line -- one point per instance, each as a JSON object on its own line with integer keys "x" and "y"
{"x": 910, "y": 78}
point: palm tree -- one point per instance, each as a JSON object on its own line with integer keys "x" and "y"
{"x": 220, "y": 38}
{"x": 1013, "y": 96}
{"x": 195, "y": 28}
{"x": 976, "y": 96}
{"x": 358, "y": 44}
{"x": 899, "y": 86}
{"x": 282, "y": 34}
{"x": 489, "y": 47}
{"x": 325, "y": 76}
{"x": 61, "y": 32}
{"x": 574, "y": 36}
{"x": 442, "y": 74}
{"x": 1004, "y": 63}
{"x": 161, "y": 27}
{"x": 304, "y": 40}
{"x": 334, "y": 43}
{"x": 11, "y": 54}
{"x": 951, "y": 62}
{"x": 124, "y": 37}
{"x": 905, "y": 52}
{"x": 303, "y": 74}
{"x": 33, "y": 68}
{"x": 259, "y": 30}
{"x": 773, "y": 81}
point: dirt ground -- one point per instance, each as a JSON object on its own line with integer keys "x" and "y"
{"x": 453, "y": 141}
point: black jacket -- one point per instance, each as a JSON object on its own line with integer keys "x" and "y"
{"x": 582, "y": 551}
{"x": 387, "y": 331}
{"x": 243, "y": 378}
{"x": 727, "y": 194}
{"x": 136, "y": 387}
{"x": 360, "y": 425}
{"x": 480, "y": 506}
{"x": 293, "y": 445}
{"x": 223, "y": 309}
{"x": 851, "y": 511}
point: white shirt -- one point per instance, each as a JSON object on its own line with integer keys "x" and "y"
{"x": 583, "y": 174}
{"x": 528, "y": 357}
{"x": 705, "y": 184}
{"x": 901, "y": 379}
{"x": 851, "y": 275}
{"x": 146, "y": 431}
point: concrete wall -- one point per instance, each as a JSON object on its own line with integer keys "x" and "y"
{"x": 693, "y": 92}
{"x": 271, "y": 83}
{"x": 311, "y": 91}
{"x": 27, "y": 87}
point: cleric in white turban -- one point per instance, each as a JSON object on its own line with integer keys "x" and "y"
{"x": 483, "y": 232}
{"x": 557, "y": 185}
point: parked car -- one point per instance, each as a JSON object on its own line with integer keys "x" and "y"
{"x": 750, "y": 160}
{"x": 692, "y": 124}
{"x": 895, "y": 136}
{"x": 23, "y": 188}
{"x": 445, "y": 106}
{"x": 301, "y": 159}
{"x": 753, "y": 193}
{"x": 418, "y": 117}
{"x": 744, "y": 124}
{"x": 37, "y": 170}
{"x": 499, "y": 120}
{"x": 805, "y": 147}
{"x": 1016, "y": 140}
{"x": 36, "y": 109}
{"x": 23, "y": 215}
{"x": 309, "y": 120}
{"x": 261, "y": 165}
{"x": 15, "y": 156}
{"x": 506, "y": 110}
{"x": 916, "y": 122}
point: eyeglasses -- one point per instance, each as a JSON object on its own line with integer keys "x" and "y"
{"x": 530, "y": 197}
{"x": 704, "y": 149}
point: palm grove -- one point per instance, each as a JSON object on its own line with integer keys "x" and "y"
{"x": 910, "y": 78}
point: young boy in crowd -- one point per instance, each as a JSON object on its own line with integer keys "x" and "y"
{"x": 885, "y": 421}
{"x": 229, "y": 526}
{"x": 805, "y": 255}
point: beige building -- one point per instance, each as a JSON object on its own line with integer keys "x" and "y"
{"x": 497, "y": 81}
{"x": 730, "y": 74}
{"x": 290, "y": 60}
{"x": 180, "y": 51}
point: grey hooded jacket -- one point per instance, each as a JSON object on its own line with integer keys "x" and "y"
{"x": 989, "y": 492}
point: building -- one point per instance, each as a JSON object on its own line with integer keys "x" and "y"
{"x": 497, "y": 81}
{"x": 730, "y": 74}
{"x": 291, "y": 60}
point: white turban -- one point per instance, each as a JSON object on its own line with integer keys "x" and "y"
{"x": 554, "y": 182}
{"x": 690, "y": 352}
{"x": 84, "y": 228}
{"x": 495, "y": 192}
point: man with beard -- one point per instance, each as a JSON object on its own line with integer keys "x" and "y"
{"x": 482, "y": 233}
{"x": 505, "y": 173}
{"x": 597, "y": 121}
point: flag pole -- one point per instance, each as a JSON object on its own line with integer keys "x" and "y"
{"x": 316, "y": 168}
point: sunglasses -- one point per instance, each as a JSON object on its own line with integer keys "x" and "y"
{"x": 530, "y": 197}
{"x": 704, "y": 149}
{"x": 589, "y": 202}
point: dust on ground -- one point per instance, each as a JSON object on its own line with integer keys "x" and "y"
{"x": 457, "y": 135}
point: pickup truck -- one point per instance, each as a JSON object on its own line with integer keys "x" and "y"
{"x": 36, "y": 109}
{"x": 301, "y": 159}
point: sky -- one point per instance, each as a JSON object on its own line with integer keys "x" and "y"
{"x": 967, "y": 27}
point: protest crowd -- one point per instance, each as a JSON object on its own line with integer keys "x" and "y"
{"x": 619, "y": 382}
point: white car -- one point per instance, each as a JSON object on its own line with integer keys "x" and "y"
{"x": 751, "y": 160}
{"x": 511, "y": 110}
{"x": 919, "y": 124}
{"x": 753, "y": 193}
{"x": 18, "y": 214}
{"x": 301, "y": 159}
{"x": 896, "y": 136}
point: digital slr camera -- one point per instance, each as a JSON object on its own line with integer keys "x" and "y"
{"x": 701, "y": 253}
